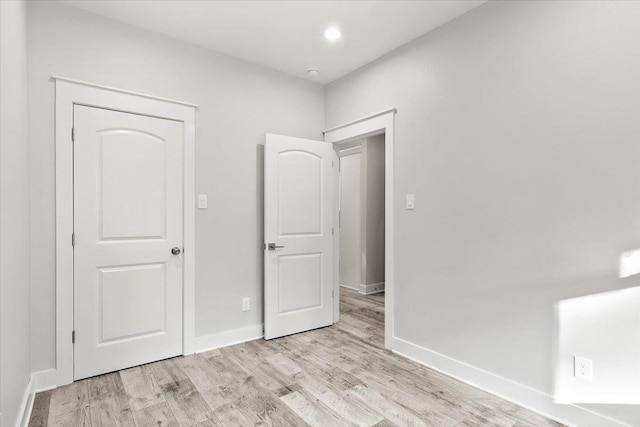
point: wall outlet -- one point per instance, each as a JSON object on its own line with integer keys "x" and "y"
{"x": 202, "y": 201}
{"x": 583, "y": 368}
{"x": 629, "y": 263}
{"x": 246, "y": 304}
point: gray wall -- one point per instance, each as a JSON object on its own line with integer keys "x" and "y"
{"x": 518, "y": 131}
{"x": 362, "y": 213}
{"x": 238, "y": 102}
{"x": 15, "y": 346}
{"x": 374, "y": 211}
{"x": 351, "y": 236}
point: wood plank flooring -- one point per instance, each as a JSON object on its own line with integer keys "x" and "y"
{"x": 334, "y": 376}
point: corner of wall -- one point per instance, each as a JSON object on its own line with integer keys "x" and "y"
{"x": 26, "y": 406}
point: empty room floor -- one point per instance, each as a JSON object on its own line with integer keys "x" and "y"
{"x": 339, "y": 375}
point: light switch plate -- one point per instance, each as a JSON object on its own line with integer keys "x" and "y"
{"x": 202, "y": 201}
{"x": 410, "y": 202}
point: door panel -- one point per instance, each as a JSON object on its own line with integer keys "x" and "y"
{"x": 300, "y": 282}
{"x": 127, "y": 217}
{"x": 131, "y": 208}
{"x": 299, "y": 184}
{"x": 298, "y": 221}
{"x": 123, "y": 290}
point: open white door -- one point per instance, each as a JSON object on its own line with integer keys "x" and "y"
{"x": 298, "y": 221}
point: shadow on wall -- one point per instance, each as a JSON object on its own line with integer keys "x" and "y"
{"x": 260, "y": 220}
{"x": 597, "y": 348}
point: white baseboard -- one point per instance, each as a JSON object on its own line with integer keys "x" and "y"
{"x": 48, "y": 379}
{"x": 45, "y": 380}
{"x": 227, "y": 338}
{"x": 527, "y": 397}
{"x": 27, "y": 404}
{"x": 372, "y": 288}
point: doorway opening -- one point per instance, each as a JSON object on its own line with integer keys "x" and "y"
{"x": 302, "y": 227}
{"x": 361, "y": 215}
{"x": 377, "y": 133}
{"x": 361, "y": 227}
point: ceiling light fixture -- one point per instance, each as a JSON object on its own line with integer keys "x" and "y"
{"x": 313, "y": 72}
{"x": 332, "y": 34}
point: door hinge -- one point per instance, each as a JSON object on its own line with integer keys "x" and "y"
{"x": 73, "y": 337}
{"x": 73, "y": 239}
{"x": 73, "y": 134}
{"x": 332, "y": 231}
{"x": 332, "y": 293}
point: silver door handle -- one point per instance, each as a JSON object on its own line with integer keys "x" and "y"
{"x": 273, "y": 246}
{"x": 176, "y": 251}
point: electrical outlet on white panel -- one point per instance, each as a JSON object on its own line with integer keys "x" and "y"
{"x": 410, "y": 202}
{"x": 246, "y": 304}
{"x": 629, "y": 263}
{"x": 583, "y": 368}
{"x": 202, "y": 201}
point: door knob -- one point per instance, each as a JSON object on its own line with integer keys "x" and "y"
{"x": 273, "y": 247}
{"x": 176, "y": 251}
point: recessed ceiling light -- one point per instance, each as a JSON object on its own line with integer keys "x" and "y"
{"x": 313, "y": 72}
{"x": 332, "y": 34}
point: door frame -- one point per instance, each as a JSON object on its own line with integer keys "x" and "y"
{"x": 68, "y": 93}
{"x": 375, "y": 124}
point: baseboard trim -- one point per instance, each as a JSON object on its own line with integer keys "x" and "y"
{"x": 357, "y": 289}
{"x": 45, "y": 380}
{"x": 372, "y": 288}
{"x": 227, "y": 338}
{"x": 520, "y": 394}
{"x": 26, "y": 406}
{"x": 48, "y": 379}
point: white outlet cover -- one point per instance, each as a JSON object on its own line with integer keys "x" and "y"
{"x": 629, "y": 263}
{"x": 583, "y": 368}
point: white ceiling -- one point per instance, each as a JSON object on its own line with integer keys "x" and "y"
{"x": 288, "y": 35}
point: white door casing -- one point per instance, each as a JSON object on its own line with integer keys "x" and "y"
{"x": 71, "y": 92}
{"x": 128, "y": 190}
{"x": 298, "y": 220}
{"x": 378, "y": 123}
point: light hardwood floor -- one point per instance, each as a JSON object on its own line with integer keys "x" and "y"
{"x": 339, "y": 375}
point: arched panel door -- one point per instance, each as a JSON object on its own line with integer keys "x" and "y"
{"x": 298, "y": 221}
{"x": 128, "y": 232}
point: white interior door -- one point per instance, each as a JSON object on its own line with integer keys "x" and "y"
{"x": 127, "y": 224}
{"x": 298, "y": 222}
